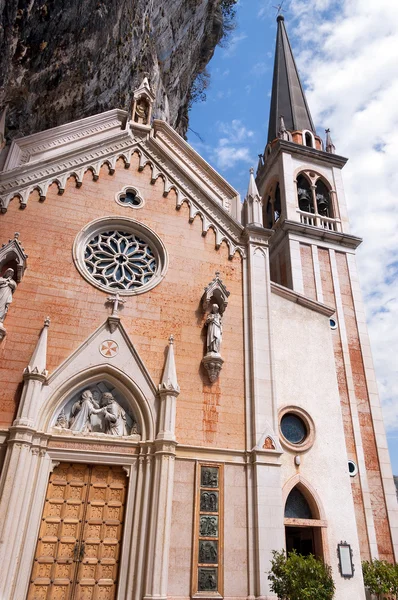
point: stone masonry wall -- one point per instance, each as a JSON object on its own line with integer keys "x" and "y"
{"x": 210, "y": 415}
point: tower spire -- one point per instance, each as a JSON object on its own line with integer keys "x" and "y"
{"x": 287, "y": 98}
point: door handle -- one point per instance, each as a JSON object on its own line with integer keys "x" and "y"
{"x": 82, "y": 550}
{"x": 75, "y": 551}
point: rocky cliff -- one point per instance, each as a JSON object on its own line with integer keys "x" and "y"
{"x": 61, "y": 60}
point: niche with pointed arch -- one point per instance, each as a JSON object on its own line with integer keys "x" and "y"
{"x": 96, "y": 408}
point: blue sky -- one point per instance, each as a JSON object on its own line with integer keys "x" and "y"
{"x": 347, "y": 52}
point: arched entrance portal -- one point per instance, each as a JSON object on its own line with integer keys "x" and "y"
{"x": 303, "y": 526}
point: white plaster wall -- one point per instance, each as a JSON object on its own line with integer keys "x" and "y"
{"x": 235, "y": 532}
{"x": 181, "y": 529}
{"x": 306, "y": 377}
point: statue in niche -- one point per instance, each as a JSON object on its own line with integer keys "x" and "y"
{"x": 214, "y": 330}
{"x": 141, "y": 111}
{"x": 114, "y": 416}
{"x": 82, "y": 411}
{"x": 7, "y": 288}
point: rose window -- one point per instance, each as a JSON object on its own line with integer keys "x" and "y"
{"x": 120, "y": 260}
{"x": 121, "y": 255}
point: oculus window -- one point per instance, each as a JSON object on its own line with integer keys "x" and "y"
{"x": 293, "y": 428}
{"x": 120, "y": 255}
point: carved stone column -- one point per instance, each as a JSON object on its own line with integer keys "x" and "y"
{"x": 266, "y": 529}
{"x": 163, "y": 484}
{"x": 18, "y": 495}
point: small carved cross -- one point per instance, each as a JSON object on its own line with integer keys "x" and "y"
{"x": 115, "y": 301}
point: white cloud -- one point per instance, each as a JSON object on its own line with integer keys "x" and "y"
{"x": 349, "y": 63}
{"x": 232, "y": 146}
{"x": 233, "y": 42}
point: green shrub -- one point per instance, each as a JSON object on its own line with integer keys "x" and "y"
{"x": 296, "y": 577}
{"x": 381, "y": 579}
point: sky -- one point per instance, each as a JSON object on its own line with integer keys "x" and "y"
{"x": 347, "y": 55}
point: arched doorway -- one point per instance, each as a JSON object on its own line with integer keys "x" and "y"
{"x": 303, "y": 526}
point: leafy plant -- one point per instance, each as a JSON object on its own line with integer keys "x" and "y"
{"x": 381, "y": 579}
{"x": 296, "y": 577}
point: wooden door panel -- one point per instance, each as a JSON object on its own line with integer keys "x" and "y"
{"x": 78, "y": 551}
{"x": 54, "y": 565}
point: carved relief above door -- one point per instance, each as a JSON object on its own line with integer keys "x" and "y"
{"x": 78, "y": 551}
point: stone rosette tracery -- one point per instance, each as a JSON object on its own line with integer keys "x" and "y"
{"x": 121, "y": 255}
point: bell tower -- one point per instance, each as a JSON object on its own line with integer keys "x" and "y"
{"x": 312, "y": 252}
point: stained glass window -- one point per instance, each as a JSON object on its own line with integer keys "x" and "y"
{"x": 297, "y": 506}
{"x": 120, "y": 260}
{"x": 293, "y": 428}
{"x": 130, "y": 198}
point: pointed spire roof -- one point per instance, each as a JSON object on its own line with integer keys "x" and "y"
{"x": 38, "y": 362}
{"x": 252, "y": 190}
{"x": 287, "y": 99}
{"x": 330, "y": 147}
{"x": 169, "y": 381}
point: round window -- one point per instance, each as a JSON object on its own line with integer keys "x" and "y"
{"x": 352, "y": 468}
{"x": 333, "y": 323}
{"x": 296, "y": 429}
{"x": 120, "y": 255}
{"x": 293, "y": 428}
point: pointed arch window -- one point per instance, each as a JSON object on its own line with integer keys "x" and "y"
{"x": 304, "y": 192}
{"x": 304, "y": 530}
{"x": 308, "y": 139}
{"x": 323, "y": 200}
{"x": 273, "y": 209}
{"x": 297, "y": 506}
{"x": 315, "y": 202}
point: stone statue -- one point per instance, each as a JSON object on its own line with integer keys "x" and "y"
{"x": 214, "y": 330}
{"x": 114, "y": 416}
{"x": 82, "y": 411}
{"x": 7, "y": 288}
{"x": 141, "y": 111}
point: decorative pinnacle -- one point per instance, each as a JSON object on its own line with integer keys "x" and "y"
{"x": 171, "y": 339}
{"x": 16, "y": 235}
{"x": 217, "y": 275}
{"x": 251, "y": 171}
{"x": 47, "y": 322}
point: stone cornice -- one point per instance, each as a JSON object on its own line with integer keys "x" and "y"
{"x": 302, "y": 152}
{"x": 316, "y": 233}
{"x": 255, "y": 234}
{"x": 192, "y": 162}
{"x": 207, "y": 194}
{"x": 32, "y": 147}
{"x": 288, "y": 294}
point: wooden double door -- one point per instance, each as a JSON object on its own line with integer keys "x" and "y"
{"x": 78, "y": 550}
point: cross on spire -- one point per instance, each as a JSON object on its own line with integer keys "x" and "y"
{"x": 279, "y": 8}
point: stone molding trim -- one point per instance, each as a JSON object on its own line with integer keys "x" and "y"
{"x": 34, "y": 148}
{"x": 135, "y": 227}
{"x": 288, "y": 294}
{"x": 194, "y": 182}
{"x": 336, "y": 238}
{"x": 193, "y": 162}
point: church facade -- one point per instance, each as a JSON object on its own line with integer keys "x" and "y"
{"x": 186, "y": 381}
